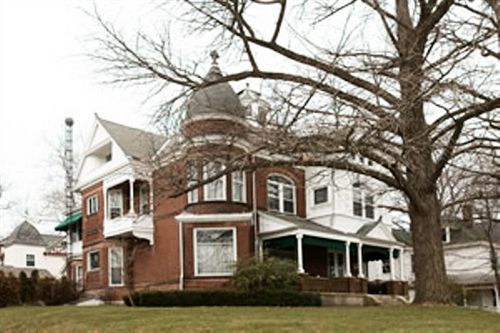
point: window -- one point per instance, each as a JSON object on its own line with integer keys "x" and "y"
{"x": 30, "y": 260}
{"x": 215, "y": 251}
{"x": 280, "y": 194}
{"x": 215, "y": 190}
{"x": 75, "y": 233}
{"x": 357, "y": 199}
{"x": 192, "y": 179}
{"x": 79, "y": 277}
{"x": 115, "y": 259}
{"x": 108, "y": 157}
{"x": 115, "y": 203}
{"x": 362, "y": 202}
{"x": 320, "y": 195}
{"x": 445, "y": 235}
{"x": 386, "y": 266}
{"x": 143, "y": 199}
{"x": 93, "y": 263}
{"x": 238, "y": 186}
{"x": 92, "y": 204}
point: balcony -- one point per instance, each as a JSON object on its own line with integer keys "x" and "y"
{"x": 75, "y": 249}
{"x": 130, "y": 225}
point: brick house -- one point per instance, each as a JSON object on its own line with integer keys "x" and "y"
{"x": 135, "y": 235}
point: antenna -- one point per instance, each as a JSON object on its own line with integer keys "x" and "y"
{"x": 68, "y": 165}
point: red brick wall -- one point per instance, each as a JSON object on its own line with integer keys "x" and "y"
{"x": 92, "y": 225}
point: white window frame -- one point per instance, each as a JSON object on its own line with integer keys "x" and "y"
{"x": 95, "y": 206}
{"x": 110, "y": 192}
{"x": 314, "y": 195}
{"x": 192, "y": 196}
{"x": 363, "y": 194}
{"x": 89, "y": 268}
{"x": 120, "y": 250}
{"x": 243, "y": 185}
{"x": 34, "y": 260}
{"x": 195, "y": 250}
{"x": 281, "y": 196}
{"x": 223, "y": 197}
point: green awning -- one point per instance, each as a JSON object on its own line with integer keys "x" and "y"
{"x": 72, "y": 219}
{"x": 291, "y": 242}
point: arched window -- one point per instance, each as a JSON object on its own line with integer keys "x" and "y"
{"x": 280, "y": 194}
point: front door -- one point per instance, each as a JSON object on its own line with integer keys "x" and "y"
{"x": 335, "y": 264}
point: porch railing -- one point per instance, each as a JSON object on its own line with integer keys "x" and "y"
{"x": 353, "y": 285}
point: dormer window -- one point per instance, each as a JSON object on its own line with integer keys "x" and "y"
{"x": 115, "y": 203}
{"x": 216, "y": 190}
{"x": 280, "y": 194}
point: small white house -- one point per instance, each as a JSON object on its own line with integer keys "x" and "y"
{"x": 26, "y": 248}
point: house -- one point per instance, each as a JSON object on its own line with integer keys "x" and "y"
{"x": 26, "y": 248}
{"x": 467, "y": 255}
{"x": 136, "y": 235}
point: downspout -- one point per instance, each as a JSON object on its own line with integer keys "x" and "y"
{"x": 181, "y": 257}
{"x": 255, "y": 213}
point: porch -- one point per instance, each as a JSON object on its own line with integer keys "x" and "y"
{"x": 127, "y": 208}
{"x": 340, "y": 266}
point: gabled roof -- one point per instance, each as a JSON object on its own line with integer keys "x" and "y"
{"x": 135, "y": 143}
{"x": 366, "y": 228}
{"x": 27, "y": 234}
{"x": 302, "y": 223}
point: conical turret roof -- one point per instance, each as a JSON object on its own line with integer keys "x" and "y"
{"x": 215, "y": 98}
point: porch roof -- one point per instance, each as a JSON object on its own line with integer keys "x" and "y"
{"x": 296, "y": 224}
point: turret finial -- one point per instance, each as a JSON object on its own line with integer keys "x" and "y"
{"x": 214, "y": 55}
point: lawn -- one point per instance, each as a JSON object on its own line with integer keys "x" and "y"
{"x": 246, "y": 319}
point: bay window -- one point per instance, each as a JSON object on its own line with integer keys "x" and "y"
{"x": 215, "y": 190}
{"x": 143, "y": 199}
{"x": 214, "y": 251}
{"x": 238, "y": 186}
{"x": 192, "y": 179}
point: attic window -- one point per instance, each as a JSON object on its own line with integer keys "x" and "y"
{"x": 108, "y": 157}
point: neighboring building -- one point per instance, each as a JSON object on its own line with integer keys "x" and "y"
{"x": 72, "y": 225}
{"x": 26, "y": 248}
{"x": 467, "y": 257}
{"x": 137, "y": 237}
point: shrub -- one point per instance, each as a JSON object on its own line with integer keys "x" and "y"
{"x": 223, "y": 298}
{"x": 9, "y": 290}
{"x": 27, "y": 292}
{"x": 266, "y": 275}
{"x": 56, "y": 292}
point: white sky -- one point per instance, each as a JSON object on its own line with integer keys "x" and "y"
{"x": 46, "y": 77}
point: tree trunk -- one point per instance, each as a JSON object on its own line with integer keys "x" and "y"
{"x": 431, "y": 283}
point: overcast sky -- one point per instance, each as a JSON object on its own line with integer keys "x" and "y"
{"x": 45, "y": 77}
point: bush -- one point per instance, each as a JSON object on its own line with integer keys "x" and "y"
{"x": 271, "y": 274}
{"x": 27, "y": 290}
{"x": 56, "y": 292}
{"x": 223, "y": 298}
{"x": 9, "y": 290}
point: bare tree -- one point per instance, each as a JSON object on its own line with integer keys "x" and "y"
{"x": 413, "y": 97}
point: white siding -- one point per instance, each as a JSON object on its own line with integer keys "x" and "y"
{"x": 15, "y": 255}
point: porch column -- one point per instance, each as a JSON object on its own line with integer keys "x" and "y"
{"x": 131, "y": 186}
{"x": 391, "y": 262}
{"x": 401, "y": 265}
{"x": 300, "y": 262}
{"x": 360, "y": 260}
{"x": 347, "y": 259}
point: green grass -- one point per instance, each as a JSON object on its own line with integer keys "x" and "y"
{"x": 246, "y": 319}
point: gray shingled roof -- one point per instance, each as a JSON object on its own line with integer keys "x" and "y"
{"x": 135, "y": 143}
{"x": 302, "y": 223}
{"x": 27, "y": 234}
{"x": 215, "y": 98}
{"x": 367, "y": 227}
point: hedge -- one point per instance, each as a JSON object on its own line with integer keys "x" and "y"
{"x": 223, "y": 298}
